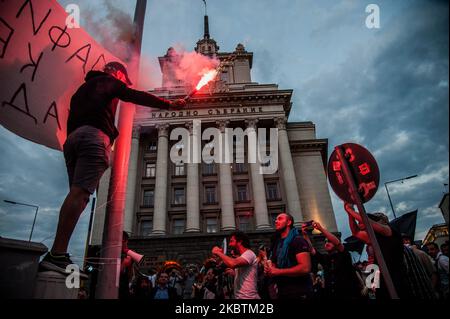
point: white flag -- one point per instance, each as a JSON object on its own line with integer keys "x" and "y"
{"x": 42, "y": 63}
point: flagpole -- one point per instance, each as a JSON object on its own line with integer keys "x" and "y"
{"x": 108, "y": 282}
{"x": 369, "y": 229}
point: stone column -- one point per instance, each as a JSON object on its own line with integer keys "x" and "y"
{"x": 160, "y": 205}
{"x": 100, "y": 209}
{"x": 131, "y": 183}
{"x": 193, "y": 196}
{"x": 288, "y": 173}
{"x": 258, "y": 185}
{"x": 226, "y": 187}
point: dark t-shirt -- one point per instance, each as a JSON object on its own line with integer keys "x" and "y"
{"x": 340, "y": 276}
{"x": 124, "y": 280}
{"x": 392, "y": 250}
{"x": 293, "y": 287}
{"x": 95, "y": 103}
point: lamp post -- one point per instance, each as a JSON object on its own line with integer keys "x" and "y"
{"x": 387, "y": 191}
{"x": 23, "y": 204}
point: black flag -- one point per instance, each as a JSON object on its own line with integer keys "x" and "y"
{"x": 406, "y": 224}
{"x": 353, "y": 244}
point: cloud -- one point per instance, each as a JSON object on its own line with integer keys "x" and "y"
{"x": 334, "y": 18}
{"x": 431, "y": 212}
{"x": 36, "y": 175}
{"x": 434, "y": 175}
{"x": 392, "y": 97}
{"x": 401, "y": 140}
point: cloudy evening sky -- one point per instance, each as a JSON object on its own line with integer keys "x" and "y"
{"x": 386, "y": 89}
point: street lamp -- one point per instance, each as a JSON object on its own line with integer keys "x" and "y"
{"x": 387, "y": 191}
{"x": 35, "y": 215}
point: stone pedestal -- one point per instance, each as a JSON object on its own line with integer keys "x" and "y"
{"x": 52, "y": 285}
{"x": 19, "y": 262}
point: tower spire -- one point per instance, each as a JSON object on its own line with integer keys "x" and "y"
{"x": 206, "y": 13}
{"x": 206, "y": 22}
{"x": 206, "y": 46}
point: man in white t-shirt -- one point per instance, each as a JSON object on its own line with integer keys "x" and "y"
{"x": 245, "y": 266}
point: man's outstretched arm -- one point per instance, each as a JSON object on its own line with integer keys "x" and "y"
{"x": 127, "y": 94}
{"x": 332, "y": 238}
{"x": 384, "y": 230}
{"x": 229, "y": 261}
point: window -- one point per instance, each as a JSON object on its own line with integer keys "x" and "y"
{"x": 152, "y": 146}
{"x": 272, "y": 191}
{"x": 224, "y": 76}
{"x": 210, "y": 194}
{"x": 209, "y": 169}
{"x": 178, "y": 226}
{"x": 150, "y": 170}
{"x": 244, "y": 223}
{"x": 240, "y": 168}
{"x": 146, "y": 227}
{"x": 266, "y": 164}
{"x": 273, "y": 216}
{"x": 149, "y": 198}
{"x": 178, "y": 196}
{"x": 242, "y": 193}
{"x": 179, "y": 169}
{"x": 212, "y": 225}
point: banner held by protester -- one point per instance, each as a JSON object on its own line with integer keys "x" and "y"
{"x": 43, "y": 60}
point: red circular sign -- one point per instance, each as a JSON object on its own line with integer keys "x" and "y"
{"x": 364, "y": 169}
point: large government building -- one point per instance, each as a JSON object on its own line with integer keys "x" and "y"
{"x": 179, "y": 211}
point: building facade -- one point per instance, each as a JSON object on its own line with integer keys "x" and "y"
{"x": 436, "y": 234}
{"x": 443, "y": 206}
{"x": 178, "y": 210}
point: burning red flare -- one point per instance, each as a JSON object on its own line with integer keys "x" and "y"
{"x": 206, "y": 78}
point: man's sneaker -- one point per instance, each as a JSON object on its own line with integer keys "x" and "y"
{"x": 57, "y": 263}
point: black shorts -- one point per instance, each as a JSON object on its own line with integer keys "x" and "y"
{"x": 87, "y": 152}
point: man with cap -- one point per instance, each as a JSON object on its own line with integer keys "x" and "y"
{"x": 90, "y": 135}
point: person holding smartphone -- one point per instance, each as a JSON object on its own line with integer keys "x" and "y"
{"x": 340, "y": 279}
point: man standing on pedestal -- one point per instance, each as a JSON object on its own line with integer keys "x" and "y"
{"x": 90, "y": 135}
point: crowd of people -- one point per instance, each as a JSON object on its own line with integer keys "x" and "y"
{"x": 293, "y": 268}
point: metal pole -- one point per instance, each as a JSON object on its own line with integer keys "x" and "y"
{"x": 387, "y": 191}
{"x": 90, "y": 220}
{"x": 23, "y": 204}
{"x": 390, "y": 201}
{"x": 34, "y": 221}
{"x": 88, "y": 239}
{"x": 108, "y": 282}
{"x": 362, "y": 211}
